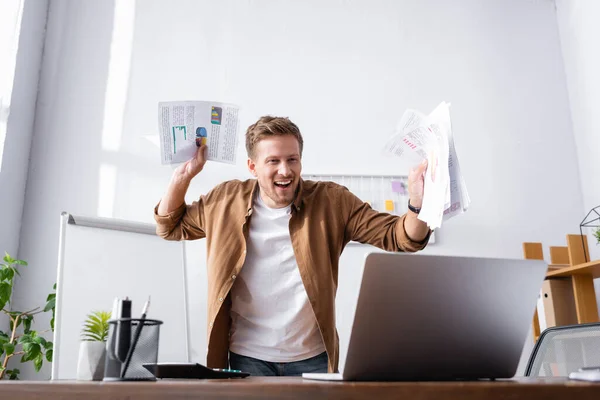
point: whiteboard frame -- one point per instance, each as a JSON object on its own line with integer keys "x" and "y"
{"x": 112, "y": 224}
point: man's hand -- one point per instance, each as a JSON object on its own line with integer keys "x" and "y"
{"x": 192, "y": 167}
{"x": 180, "y": 181}
{"x": 416, "y": 184}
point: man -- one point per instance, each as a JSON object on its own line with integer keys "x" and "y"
{"x": 273, "y": 247}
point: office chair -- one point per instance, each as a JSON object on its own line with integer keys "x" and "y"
{"x": 564, "y": 349}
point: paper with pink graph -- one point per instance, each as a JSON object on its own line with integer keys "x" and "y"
{"x": 419, "y": 137}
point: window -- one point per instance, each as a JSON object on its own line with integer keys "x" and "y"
{"x": 10, "y": 23}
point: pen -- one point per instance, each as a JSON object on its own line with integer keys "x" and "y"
{"x": 136, "y": 336}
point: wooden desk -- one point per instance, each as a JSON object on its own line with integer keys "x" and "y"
{"x": 297, "y": 388}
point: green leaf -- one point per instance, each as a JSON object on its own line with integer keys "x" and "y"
{"x": 40, "y": 340}
{"x": 54, "y": 286}
{"x": 52, "y": 322}
{"x": 2, "y": 274}
{"x": 8, "y": 259}
{"x": 51, "y": 304}
{"x": 1, "y": 368}
{"x": 4, "y": 338}
{"x": 20, "y": 262}
{"x": 48, "y": 346}
{"x": 9, "y": 348}
{"x": 32, "y": 350}
{"x": 9, "y": 274}
{"x": 27, "y": 323}
{"x": 5, "y": 291}
{"x": 25, "y": 339}
{"x": 37, "y": 362}
{"x": 28, "y": 348}
{"x": 49, "y": 355}
{"x": 13, "y": 374}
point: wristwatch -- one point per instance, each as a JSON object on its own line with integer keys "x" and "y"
{"x": 413, "y": 209}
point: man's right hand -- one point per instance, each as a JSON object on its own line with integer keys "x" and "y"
{"x": 192, "y": 167}
{"x": 182, "y": 176}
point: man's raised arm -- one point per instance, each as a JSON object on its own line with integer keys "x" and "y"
{"x": 175, "y": 220}
{"x": 180, "y": 182}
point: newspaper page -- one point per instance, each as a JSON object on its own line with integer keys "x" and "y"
{"x": 419, "y": 137}
{"x": 436, "y": 176}
{"x": 185, "y": 125}
{"x": 459, "y": 197}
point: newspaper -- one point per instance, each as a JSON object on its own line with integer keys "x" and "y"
{"x": 185, "y": 125}
{"x": 429, "y": 137}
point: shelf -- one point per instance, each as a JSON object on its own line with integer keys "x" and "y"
{"x": 589, "y": 268}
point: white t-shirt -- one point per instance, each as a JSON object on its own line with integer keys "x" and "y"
{"x": 272, "y": 319}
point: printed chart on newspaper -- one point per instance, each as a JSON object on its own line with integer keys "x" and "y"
{"x": 429, "y": 137}
{"x": 185, "y": 125}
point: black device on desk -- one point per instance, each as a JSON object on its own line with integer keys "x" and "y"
{"x": 192, "y": 371}
{"x": 123, "y": 331}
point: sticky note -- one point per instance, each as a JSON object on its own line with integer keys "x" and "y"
{"x": 397, "y": 187}
{"x": 389, "y": 205}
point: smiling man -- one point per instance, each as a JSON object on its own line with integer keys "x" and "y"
{"x": 273, "y": 249}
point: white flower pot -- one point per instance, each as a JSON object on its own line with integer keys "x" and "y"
{"x": 90, "y": 366}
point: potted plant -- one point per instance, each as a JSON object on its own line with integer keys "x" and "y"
{"x": 20, "y": 339}
{"x": 92, "y": 349}
{"x": 597, "y": 235}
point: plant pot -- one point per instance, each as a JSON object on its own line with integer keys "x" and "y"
{"x": 90, "y": 366}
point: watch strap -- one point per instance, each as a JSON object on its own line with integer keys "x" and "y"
{"x": 416, "y": 210}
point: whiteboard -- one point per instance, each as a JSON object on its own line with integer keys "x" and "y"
{"x": 100, "y": 259}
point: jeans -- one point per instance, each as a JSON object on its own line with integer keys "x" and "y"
{"x": 258, "y": 367}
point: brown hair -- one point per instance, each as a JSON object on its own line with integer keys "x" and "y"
{"x": 271, "y": 126}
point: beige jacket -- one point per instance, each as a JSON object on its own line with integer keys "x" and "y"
{"x": 325, "y": 217}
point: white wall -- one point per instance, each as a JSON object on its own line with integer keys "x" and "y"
{"x": 344, "y": 71}
{"x": 580, "y": 40}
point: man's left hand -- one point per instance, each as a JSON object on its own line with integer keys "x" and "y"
{"x": 416, "y": 184}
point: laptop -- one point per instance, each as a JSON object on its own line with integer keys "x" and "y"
{"x": 425, "y": 317}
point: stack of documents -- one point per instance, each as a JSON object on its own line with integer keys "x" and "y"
{"x": 185, "y": 125}
{"x": 429, "y": 137}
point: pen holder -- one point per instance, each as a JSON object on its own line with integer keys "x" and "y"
{"x": 131, "y": 343}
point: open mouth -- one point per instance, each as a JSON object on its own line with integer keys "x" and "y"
{"x": 283, "y": 184}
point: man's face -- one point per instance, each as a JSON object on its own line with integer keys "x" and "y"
{"x": 277, "y": 166}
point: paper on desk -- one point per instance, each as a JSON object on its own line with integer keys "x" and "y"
{"x": 420, "y": 137}
{"x": 184, "y": 125}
